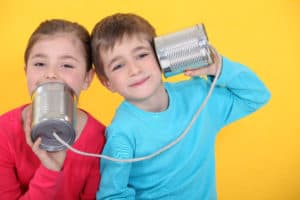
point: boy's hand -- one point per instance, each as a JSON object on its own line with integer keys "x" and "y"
{"x": 207, "y": 70}
{"x": 51, "y": 160}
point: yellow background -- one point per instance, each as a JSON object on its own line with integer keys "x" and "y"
{"x": 258, "y": 157}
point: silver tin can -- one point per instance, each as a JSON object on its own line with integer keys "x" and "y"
{"x": 185, "y": 49}
{"x": 54, "y": 108}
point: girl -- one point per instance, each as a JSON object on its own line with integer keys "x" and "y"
{"x": 57, "y": 51}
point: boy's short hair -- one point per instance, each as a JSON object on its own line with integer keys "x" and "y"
{"x": 112, "y": 29}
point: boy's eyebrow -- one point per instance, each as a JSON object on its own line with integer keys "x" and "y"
{"x": 140, "y": 48}
{"x": 134, "y": 50}
{"x": 113, "y": 60}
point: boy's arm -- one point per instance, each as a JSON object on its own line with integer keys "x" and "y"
{"x": 238, "y": 92}
{"x": 115, "y": 175}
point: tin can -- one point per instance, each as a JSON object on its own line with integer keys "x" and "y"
{"x": 185, "y": 49}
{"x": 54, "y": 108}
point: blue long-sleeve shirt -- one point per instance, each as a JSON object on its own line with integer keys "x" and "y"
{"x": 187, "y": 170}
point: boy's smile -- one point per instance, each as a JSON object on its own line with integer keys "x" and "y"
{"x": 139, "y": 82}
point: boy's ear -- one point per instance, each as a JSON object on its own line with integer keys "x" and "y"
{"x": 106, "y": 83}
{"x": 88, "y": 79}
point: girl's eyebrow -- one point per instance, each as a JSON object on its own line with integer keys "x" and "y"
{"x": 39, "y": 55}
{"x": 69, "y": 57}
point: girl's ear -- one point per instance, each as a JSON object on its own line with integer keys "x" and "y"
{"x": 88, "y": 79}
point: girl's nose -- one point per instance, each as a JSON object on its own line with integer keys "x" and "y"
{"x": 50, "y": 74}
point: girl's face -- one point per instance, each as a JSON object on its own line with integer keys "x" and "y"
{"x": 58, "y": 58}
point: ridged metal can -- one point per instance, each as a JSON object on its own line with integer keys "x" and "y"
{"x": 54, "y": 106}
{"x": 184, "y": 49}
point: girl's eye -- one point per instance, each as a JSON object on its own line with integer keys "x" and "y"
{"x": 39, "y": 64}
{"x": 67, "y": 66}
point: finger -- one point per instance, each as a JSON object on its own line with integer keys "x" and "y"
{"x": 197, "y": 72}
{"x": 36, "y": 145}
{"x": 55, "y": 159}
{"x": 59, "y": 156}
{"x": 217, "y": 61}
{"x": 216, "y": 56}
{"x": 27, "y": 126}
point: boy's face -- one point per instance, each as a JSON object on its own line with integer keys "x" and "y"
{"x": 58, "y": 58}
{"x": 132, "y": 70}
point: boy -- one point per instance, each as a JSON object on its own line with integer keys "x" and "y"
{"x": 154, "y": 114}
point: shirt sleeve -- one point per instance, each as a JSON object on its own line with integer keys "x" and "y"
{"x": 238, "y": 92}
{"x": 92, "y": 183}
{"x": 43, "y": 185}
{"x": 115, "y": 175}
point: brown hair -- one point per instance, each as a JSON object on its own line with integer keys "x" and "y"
{"x": 57, "y": 26}
{"x": 112, "y": 29}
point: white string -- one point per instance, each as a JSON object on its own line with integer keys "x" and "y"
{"x": 168, "y": 146}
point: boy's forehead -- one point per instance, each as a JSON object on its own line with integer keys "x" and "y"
{"x": 140, "y": 39}
{"x": 124, "y": 40}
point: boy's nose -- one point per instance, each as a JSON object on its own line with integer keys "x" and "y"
{"x": 134, "y": 69}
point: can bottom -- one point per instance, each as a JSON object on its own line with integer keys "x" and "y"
{"x": 45, "y": 131}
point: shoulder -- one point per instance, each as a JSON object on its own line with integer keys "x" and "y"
{"x": 11, "y": 129}
{"x": 12, "y": 117}
{"x": 187, "y": 85}
{"x": 125, "y": 122}
{"x": 93, "y": 122}
{"x": 188, "y": 92}
{"x": 93, "y": 127}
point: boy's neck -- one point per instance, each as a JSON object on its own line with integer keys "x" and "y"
{"x": 157, "y": 103}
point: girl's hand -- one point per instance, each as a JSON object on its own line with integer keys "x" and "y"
{"x": 207, "y": 70}
{"x": 51, "y": 160}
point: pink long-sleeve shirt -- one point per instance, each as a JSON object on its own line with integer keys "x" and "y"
{"x": 23, "y": 177}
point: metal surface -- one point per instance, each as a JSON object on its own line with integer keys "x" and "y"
{"x": 53, "y": 110}
{"x": 185, "y": 49}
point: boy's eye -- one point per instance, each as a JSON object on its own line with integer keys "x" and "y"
{"x": 116, "y": 67}
{"x": 142, "y": 55}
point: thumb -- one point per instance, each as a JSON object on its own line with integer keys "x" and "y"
{"x": 27, "y": 125}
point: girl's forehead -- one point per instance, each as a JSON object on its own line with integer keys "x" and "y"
{"x": 57, "y": 47}
{"x": 71, "y": 36}
{"x": 61, "y": 40}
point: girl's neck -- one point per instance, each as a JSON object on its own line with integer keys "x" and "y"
{"x": 81, "y": 120}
